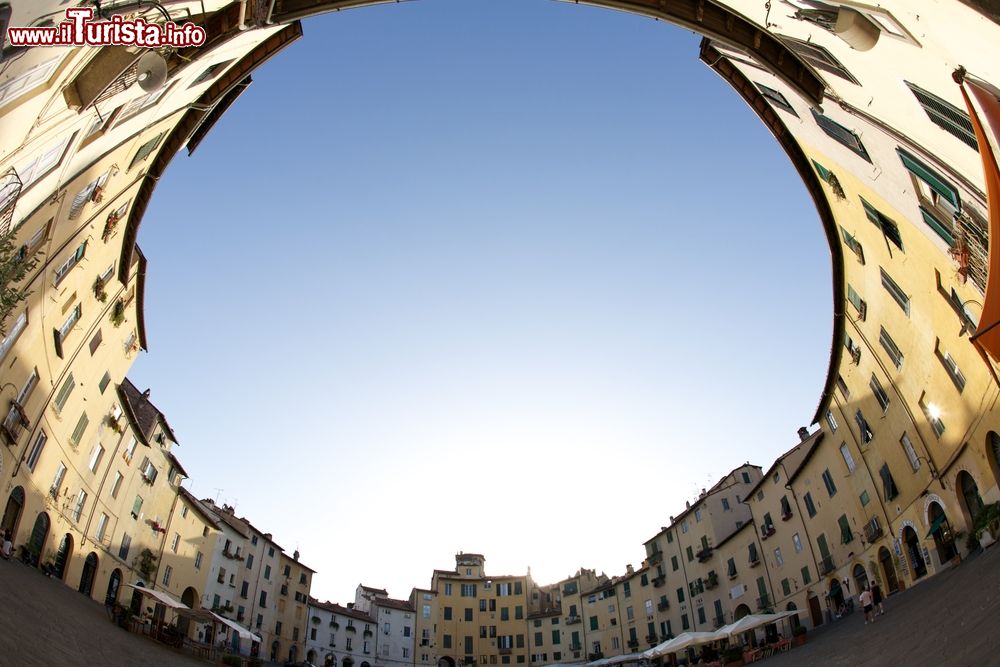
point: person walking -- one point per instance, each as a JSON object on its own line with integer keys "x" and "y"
{"x": 877, "y": 605}
{"x": 866, "y": 603}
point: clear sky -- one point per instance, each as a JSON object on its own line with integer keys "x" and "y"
{"x": 514, "y": 277}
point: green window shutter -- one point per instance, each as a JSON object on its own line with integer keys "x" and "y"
{"x": 824, "y": 550}
{"x": 806, "y": 578}
{"x": 931, "y": 221}
{"x": 823, "y": 172}
{"x": 931, "y": 178}
{"x": 137, "y": 505}
{"x": 64, "y": 392}
{"x": 555, "y": 638}
{"x": 846, "y": 535}
{"x": 786, "y": 587}
{"x": 81, "y": 427}
{"x": 593, "y": 622}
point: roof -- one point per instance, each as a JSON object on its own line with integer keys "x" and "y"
{"x": 335, "y": 608}
{"x": 373, "y": 590}
{"x": 792, "y": 460}
{"x": 805, "y": 458}
{"x": 402, "y": 605}
{"x": 177, "y": 464}
{"x": 230, "y": 520}
{"x": 141, "y": 412}
{"x": 140, "y": 299}
{"x": 716, "y": 487}
{"x": 734, "y": 534}
{"x": 197, "y": 506}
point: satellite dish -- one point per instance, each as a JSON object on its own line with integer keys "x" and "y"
{"x": 152, "y": 71}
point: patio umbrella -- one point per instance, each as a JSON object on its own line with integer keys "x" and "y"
{"x": 753, "y": 621}
{"x": 681, "y": 642}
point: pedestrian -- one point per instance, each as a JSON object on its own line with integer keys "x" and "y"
{"x": 7, "y": 548}
{"x": 877, "y": 604}
{"x": 866, "y": 603}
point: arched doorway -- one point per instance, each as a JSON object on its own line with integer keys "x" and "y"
{"x": 293, "y": 653}
{"x": 349, "y": 662}
{"x": 993, "y": 454}
{"x": 275, "y": 647}
{"x": 860, "y": 577}
{"x": 918, "y": 567}
{"x": 190, "y": 598}
{"x": 940, "y": 530}
{"x": 972, "y": 502}
{"x": 888, "y": 571}
{"x": 330, "y": 660}
{"x": 835, "y": 597}
{"x": 114, "y": 583}
{"x": 88, "y": 574}
{"x": 63, "y": 556}
{"x": 741, "y": 611}
{"x": 37, "y": 540}
{"x": 12, "y": 513}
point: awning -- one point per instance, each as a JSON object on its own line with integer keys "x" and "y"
{"x": 243, "y": 632}
{"x": 160, "y": 597}
{"x": 935, "y": 524}
{"x": 987, "y": 337}
{"x": 753, "y": 621}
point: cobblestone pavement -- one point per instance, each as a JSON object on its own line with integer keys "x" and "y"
{"x": 951, "y": 619}
{"x": 45, "y": 622}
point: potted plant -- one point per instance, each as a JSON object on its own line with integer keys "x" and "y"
{"x": 99, "y": 292}
{"x": 732, "y": 657}
{"x": 118, "y": 313}
{"x": 799, "y": 635}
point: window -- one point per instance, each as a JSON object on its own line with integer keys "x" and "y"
{"x": 468, "y": 615}
{"x": 81, "y": 500}
{"x": 820, "y": 58}
{"x": 911, "y": 454}
{"x": 864, "y": 498}
{"x": 776, "y": 98}
{"x": 33, "y": 77}
{"x": 95, "y": 457}
{"x": 145, "y": 150}
{"x": 947, "y": 116}
{"x": 810, "y": 507}
{"x": 848, "y": 459}
{"x": 725, "y": 504}
{"x": 104, "y": 382}
{"x": 593, "y": 623}
{"x": 786, "y": 588}
{"x": 950, "y": 367}
{"x": 879, "y": 393}
{"x": 853, "y": 244}
{"x": 468, "y": 590}
{"x": 941, "y": 190}
{"x": 889, "y": 490}
{"x": 697, "y": 515}
{"x": 71, "y": 261}
{"x": 831, "y": 421}
{"x": 852, "y": 348}
{"x": 197, "y": 560}
{"x": 841, "y": 134}
{"x": 137, "y": 507}
{"x": 753, "y": 557}
{"x": 746, "y": 477}
{"x": 62, "y": 332}
{"x": 846, "y": 534}
{"x": 731, "y": 567}
{"x": 933, "y": 415}
{"x": 778, "y": 560}
{"x": 263, "y": 599}
{"x": 890, "y": 347}
{"x": 79, "y": 430}
{"x": 126, "y": 544}
{"x": 140, "y": 104}
{"x": 806, "y": 578}
{"x": 14, "y": 333}
{"x": 797, "y": 543}
{"x": 102, "y": 527}
{"x": 175, "y": 542}
{"x": 690, "y": 554}
{"x": 64, "y": 392}
{"x": 680, "y": 595}
{"x": 36, "y": 450}
{"x": 447, "y": 613}
{"x": 842, "y": 386}
{"x": 888, "y": 226}
{"x": 895, "y": 291}
{"x": 167, "y": 571}
{"x": 863, "y": 428}
{"x": 210, "y": 72}
{"x": 859, "y": 304}
{"x": 831, "y": 488}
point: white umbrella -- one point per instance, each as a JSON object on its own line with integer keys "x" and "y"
{"x": 753, "y": 621}
{"x": 681, "y": 642}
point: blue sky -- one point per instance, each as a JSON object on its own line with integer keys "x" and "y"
{"x": 513, "y": 277}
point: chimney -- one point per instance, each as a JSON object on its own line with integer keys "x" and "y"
{"x": 295, "y": 555}
{"x": 630, "y": 569}
{"x": 687, "y": 505}
{"x": 803, "y": 434}
{"x": 145, "y": 394}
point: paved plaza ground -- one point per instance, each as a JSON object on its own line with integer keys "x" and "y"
{"x": 951, "y": 619}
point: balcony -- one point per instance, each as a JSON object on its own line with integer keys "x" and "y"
{"x": 595, "y": 656}
{"x": 754, "y": 560}
{"x": 231, "y": 556}
{"x": 663, "y": 606}
{"x": 651, "y": 639}
{"x": 712, "y": 581}
{"x": 660, "y": 580}
{"x": 633, "y": 643}
{"x": 15, "y": 422}
{"x": 763, "y": 602}
{"x": 719, "y": 621}
{"x": 785, "y": 516}
{"x": 575, "y": 647}
{"x": 351, "y": 628}
{"x": 504, "y": 651}
{"x": 766, "y": 531}
{"x": 826, "y": 566}
{"x": 873, "y": 530}
{"x": 367, "y": 633}
{"x": 704, "y": 554}
{"x": 655, "y": 557}
{"x": 573, "y": 619}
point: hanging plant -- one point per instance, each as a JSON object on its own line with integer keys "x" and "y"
{"x": 118, "y": 313}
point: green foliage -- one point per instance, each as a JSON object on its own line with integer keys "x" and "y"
{"x": 987, "y": 519}
{"x": 732, "y": 654}
{"x": 14, "y": 268}
{"x": 145, "y": 562}
{"x": 799, "y": 630}
{"x": 118, "y": 313}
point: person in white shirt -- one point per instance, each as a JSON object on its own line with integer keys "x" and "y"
{"x": 866, "y": 603}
